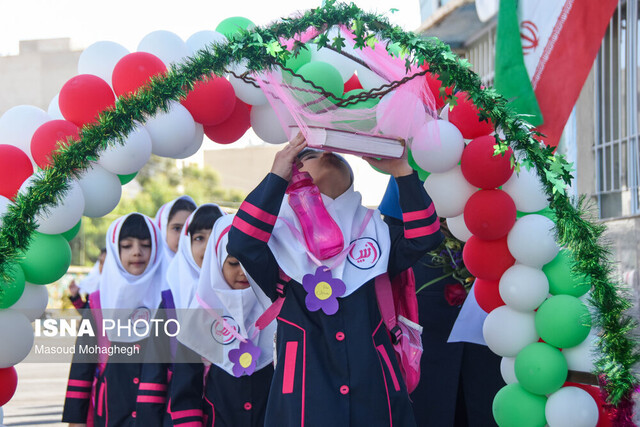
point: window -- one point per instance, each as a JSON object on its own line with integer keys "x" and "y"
{"x": 616, "y": 104}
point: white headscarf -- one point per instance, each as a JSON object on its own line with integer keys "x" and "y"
{"x": 162, "y": 221}
{"x": 183, "y": 272}
{"x": 239, "y": 307}
{"x": 91, "y": 282}
{"x": 124, "y": 296}
{"x": 366, "y": 260}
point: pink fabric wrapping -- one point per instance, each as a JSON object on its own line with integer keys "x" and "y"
{"x": 402, "y": 113}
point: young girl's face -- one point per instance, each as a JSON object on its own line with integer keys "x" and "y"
{"x": 199, "y": 241}
{"x": 135, "y": 254}
{"x": 329, "y": 173}
{"x": 233, "y": 274}
{"x": 174, "y": 228}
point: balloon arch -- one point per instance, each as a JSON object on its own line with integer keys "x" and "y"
{"x": 531, "y": 251}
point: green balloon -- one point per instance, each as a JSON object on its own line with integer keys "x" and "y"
{"x": 367, "y": 121}
{"x": 323, "y": 75}
{"x": 422, "y": 174}
{"x": 548, "y": 212}
{"x": 563, "y": 321}
{"x": 12, "y": 289}
{"x": 562, "y": 281}
{"x": 235, "y": 24}
{"x": 295, "y": 62}
{"x": 127, "y": 178}
{"x": 541, "y": 368}
{"x": 70, "y": 234}
{"x": 47, "y": 258}
{"x": 514, "y": 406}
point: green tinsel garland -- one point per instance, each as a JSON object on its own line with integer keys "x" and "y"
{"x": 261, "y": 48}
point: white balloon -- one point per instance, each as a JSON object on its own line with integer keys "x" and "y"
{"x": 101, "y": 190}
{"x": 195, "y": 145}
{"x": 246, "y": 92}
{"x": 507, "y": 331}
{"x": 100, "y": 59}
{"x": 266, "y": 124}
{"x": 4, "y": 207}
{"x": 449, "y": 191}
{"x": 523, "y": 288}
{"x": 54, "y": 109}
{"x": 18, "y": 124}
{"x": 400, "y": 114}
{"x": 33, "y": 301}
{"x": 167, "y": 46}
{"x": 368, "y": 79}
{"x": 344, "y": 65}
{"x": 203, "y": 39}
{"x": 437, "y": 146}
{"x": 130, "y": 157}
{"x": 171, "y": 132}
{"x": 458, "y": 228}
{"x": 581, "y": 357}
{"x": 571, "y": 407}
{"x": 66, "y": 214}
{"x": 16, "y": 336}
{"x": 507, "y": 370}
{"x": 532, "y": 240}
{"x": 526, "y": 191}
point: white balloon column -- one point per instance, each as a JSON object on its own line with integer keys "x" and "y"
{"x": 523, "y": 279}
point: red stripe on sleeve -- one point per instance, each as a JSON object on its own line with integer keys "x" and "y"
{"x": 258, "y": 213}
{"x": 414, "y": 233}
{"x": 416, "y": 215}
{"x": 250, "y": 230}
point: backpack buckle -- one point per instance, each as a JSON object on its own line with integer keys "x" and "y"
{"x": 396, "y": 334}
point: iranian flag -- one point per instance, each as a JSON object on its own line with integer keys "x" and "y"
{"x": 555, "y": 42}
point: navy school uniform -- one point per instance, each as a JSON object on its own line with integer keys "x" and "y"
{"x": 337, "y": 370}
{"x": 223, "y": 400}
{"x": 458, "y": 380}
{"x": 123, "y": 391}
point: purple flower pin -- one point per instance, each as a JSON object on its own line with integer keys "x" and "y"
{"x": 244, "y": 358}
{"x": 323, "y": 291}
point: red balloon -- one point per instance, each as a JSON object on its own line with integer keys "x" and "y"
{"x": 15, "y": 168}
{"x": 8, "y": 384}
{"x": 465, "y": 117}
{"x": 48, "y": 138}
{"x": 487, "y": 294}
{"x": 83, "y": 97}
{"x": 352, "y": 83}
{"x": 434, "y": 84}
{"x": 594, "y": 392}
{"x": 134, "y": 71}
{"x": 490, "y": 214}
{"x": 481, "y": 168}
{"x": 231, "y": 129}
{"x": 487, "y": 259}
{"x": 211, "y": 102}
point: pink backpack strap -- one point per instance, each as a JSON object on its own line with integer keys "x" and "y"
{"x": 103, "y": 341}
{"x": 273, "y": 310}
{"x": 384, "y": 295}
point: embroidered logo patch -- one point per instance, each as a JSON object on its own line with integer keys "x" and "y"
{"x": 221, "y": 334}
{"x": 365, "y": 253}
{"x": 140, "y": 320}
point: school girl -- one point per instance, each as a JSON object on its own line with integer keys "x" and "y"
{"x": 221, "y": 329}
{"x": 129, "y": 289}
{"x": 183, "y": 273}
{"x": 170, "y": 220}
{"x": 335, "y": 362}
{"x": 89, "y": 284}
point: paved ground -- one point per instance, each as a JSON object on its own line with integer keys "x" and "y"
{"x": 40, "y": 395}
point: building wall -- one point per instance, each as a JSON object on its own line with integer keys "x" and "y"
{"x": 37, "y": 73}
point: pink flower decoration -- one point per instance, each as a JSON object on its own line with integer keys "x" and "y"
{"x": 455, "y": 294}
